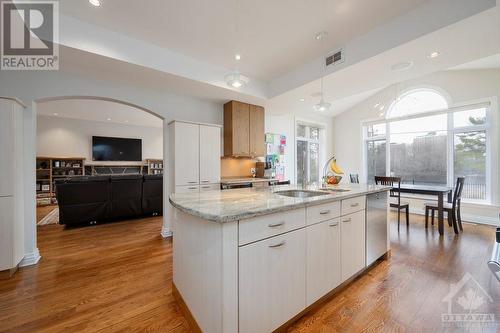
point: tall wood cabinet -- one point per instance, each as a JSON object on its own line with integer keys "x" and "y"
{"x": 195, "y": 156}
{"x": 243, "y": 129}
{"x": 11, "y": 185}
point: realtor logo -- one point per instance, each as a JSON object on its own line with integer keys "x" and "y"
{"x": 467, "y": 305}
{"x": 29, "y": 37}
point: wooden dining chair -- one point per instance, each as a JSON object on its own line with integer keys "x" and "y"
{"x": 452, "y": 209}
{"x": 395, "y": 182}
{"x": 354, "y": 178}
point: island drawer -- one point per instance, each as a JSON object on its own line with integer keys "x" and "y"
{"x": 353, "y": 205}
{"x": 323, "y": 212}
{"x": 257, "y": 228}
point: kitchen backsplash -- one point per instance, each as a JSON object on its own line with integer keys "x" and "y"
{"x": 237, "y": 167}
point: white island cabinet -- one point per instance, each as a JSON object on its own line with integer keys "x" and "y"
{"x": 251, "y": 260}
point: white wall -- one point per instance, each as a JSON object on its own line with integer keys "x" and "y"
{"x": 65, "y": 137}
{"x": 462, "y": 87}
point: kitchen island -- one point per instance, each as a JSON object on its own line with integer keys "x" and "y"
{"x": 251, "y": 260}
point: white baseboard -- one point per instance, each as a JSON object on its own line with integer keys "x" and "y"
{"x": 166, "y": 233}
{"x": 30, "y": 258}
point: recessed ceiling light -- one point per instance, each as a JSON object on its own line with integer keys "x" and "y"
{"x": 55, "y": 114}
{"x": 302, "y": 100}
{"x": 402, "y": 66}
{"x": 433, "y": 55}
{"x": 376, "y": 105}
{"x": 108, "y": 119}
{"x": 237, "y": 56}
{"x": 126, "y": 121}
{"x": 382, "y": 107}
{"x": 95, "y": 3}
{"x": 320, "y": 35}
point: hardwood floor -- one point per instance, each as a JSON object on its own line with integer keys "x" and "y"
{"x": 117, "y": 278}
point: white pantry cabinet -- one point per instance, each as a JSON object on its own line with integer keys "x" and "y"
{"x": 272, "y": 281}
{"x": 187, "y": 154}
{"x": 323, "y": 259}
{"x": 210, "y": 152}
{"x": 6, "y": 148}
{"x": 195, "y": 151}
{"x": 353, "y": 243}
{"x": 11, "y": 184}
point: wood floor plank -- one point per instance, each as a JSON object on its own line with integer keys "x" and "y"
{"x": 117, "y": 278}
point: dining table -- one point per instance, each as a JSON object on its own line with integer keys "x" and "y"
{"x": 433, "y": 190}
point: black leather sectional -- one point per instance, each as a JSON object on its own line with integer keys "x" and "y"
{"x": 89, "y": 199}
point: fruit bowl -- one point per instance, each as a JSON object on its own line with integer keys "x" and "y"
{"x": 332, "y": 179}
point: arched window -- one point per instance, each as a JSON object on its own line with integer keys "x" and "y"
{"x": 417, "y": 101}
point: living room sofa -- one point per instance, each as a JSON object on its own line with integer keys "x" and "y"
{"x": 97, "y": 199}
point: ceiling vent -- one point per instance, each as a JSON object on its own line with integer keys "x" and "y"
{"x": 334, "y": 58}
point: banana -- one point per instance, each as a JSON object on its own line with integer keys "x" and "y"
{"x": 335, "y": 168}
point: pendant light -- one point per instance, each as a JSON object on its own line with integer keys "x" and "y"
{"x": 322, "y": 106}
{"x": 235, "y": 79}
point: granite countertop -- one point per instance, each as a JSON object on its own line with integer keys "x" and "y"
{"x": 239, "y": 204}
{"x": 237, "y": 180}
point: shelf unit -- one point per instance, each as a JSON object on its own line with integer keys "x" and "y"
{"x": 48, "y": 169}
{"x": 154, "y": 166}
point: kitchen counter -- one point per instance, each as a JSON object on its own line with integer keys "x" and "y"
{"x": 241, "y": 180}
{"x": 238, "y": 204}
{"x": 249, "y": 260}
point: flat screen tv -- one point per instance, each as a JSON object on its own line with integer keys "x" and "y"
{"x": 116, "y": 149}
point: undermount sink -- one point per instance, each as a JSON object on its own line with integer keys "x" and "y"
{"x": 300, "y": 193}
{"x": 335, "y": 189}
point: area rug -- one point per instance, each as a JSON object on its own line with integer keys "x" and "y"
{"x": 50, "y": 218}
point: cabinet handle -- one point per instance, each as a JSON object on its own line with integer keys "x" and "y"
{"x": 347, "y": 220}
{"x": 324, "y": 212}
{"x": 355, "y": 204}
{"x": 279, "y": 224}
{"x": 192, "y": 182}
{"x": 334, "y": 224}
{"x": 205, "y": 181}
{"x": 277, "y": 245}
{"x": 192, "y": 188}
{"x": 205, "y": 187}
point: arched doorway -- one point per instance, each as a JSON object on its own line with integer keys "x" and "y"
{"x": 119, "y": 106}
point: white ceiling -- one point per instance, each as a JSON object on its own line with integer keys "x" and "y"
{"x": 459, "y": 43}
{"x": 273, "y": 37}
{"x": 98, "y": 110}
{"x": 484, "y": 63}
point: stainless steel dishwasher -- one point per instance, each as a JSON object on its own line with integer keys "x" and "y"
{"x": 376, "y": 226}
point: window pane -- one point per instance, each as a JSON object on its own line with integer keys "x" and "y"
{"x": 418, "y": 102}
{"x": 314, "y": 162}
{"x": 376, "y": 130}
{"x": 375, "y": 159}
{"x": 419, "y": 158}
{"x": 301, "y": 161}
{"x": 301, "y": 131}
{"x": 420, "y": 125}
{"x": 314, "y": 133}
{"x": 469, "y": 118}
{"x": 470, "y": 162}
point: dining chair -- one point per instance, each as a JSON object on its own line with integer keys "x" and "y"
{"x": 395, "y": 182}
{"x": 452, "y": 209}
{"x": 354, "y": 178}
